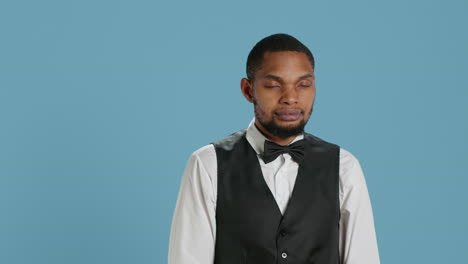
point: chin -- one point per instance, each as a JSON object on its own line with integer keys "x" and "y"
{"x": 288, "y": 124}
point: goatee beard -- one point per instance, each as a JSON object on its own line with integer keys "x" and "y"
{"x": 282, "y": 132}
{"x": 278, "y": 131}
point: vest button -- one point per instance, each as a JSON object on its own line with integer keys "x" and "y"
{"x": 284, "y": 255}
{"x": 282, "y": 233}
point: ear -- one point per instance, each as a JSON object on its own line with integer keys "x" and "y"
{"x": 247, "y": 89}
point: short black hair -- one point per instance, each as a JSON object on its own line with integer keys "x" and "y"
{"x": 276, "y": 42}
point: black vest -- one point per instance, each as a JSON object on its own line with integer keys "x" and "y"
{"x": 250, "y": 228}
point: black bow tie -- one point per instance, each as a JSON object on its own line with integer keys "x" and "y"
{"x": 273, "y": 150}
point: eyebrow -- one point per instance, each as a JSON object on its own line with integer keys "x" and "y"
{"x": 277, "y": 78}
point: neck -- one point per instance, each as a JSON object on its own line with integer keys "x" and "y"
{"x": 276, "y": 139}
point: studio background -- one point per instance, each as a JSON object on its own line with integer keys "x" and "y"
{"x": 102, "y": 103}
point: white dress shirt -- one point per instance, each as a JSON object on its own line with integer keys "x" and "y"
{"x": 193, "y": 229}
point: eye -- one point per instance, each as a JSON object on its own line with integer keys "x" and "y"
{"x": 271, "y": 85}
{"x": 305, "y": 84}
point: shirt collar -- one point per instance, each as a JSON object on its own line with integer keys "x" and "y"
{"x": 257, "y": 140}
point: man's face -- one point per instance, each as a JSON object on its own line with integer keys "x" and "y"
{"x": 283, "y": 92}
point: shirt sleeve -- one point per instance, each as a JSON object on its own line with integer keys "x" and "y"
{"x": 358, "y": 243}
{"x": 193, "y": 228}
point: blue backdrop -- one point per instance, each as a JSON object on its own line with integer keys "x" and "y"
{"x": 102, "y": 102}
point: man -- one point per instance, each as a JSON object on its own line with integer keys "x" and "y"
{"x": 273, "y": 193}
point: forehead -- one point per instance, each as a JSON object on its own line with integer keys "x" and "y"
{"x": 285, "y": 62}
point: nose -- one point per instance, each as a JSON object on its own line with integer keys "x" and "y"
{"x": 290, "y": 96}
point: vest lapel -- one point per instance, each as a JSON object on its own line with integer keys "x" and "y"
{"x": 298, "y": 188}
{"x": 260, "y": 179}
{"x": 309, "y": 187}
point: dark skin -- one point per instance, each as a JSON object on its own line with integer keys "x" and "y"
{"x": 283, "y": 90}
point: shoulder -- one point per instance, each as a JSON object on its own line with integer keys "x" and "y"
{"x": 322, "y": 151}
{"x": 204, "y": 155}
{"x": 202, "y": 168}
{"x": 228, "y": 143}
{"x": 207, "y": 153}
{"x": 347, "y": 159}
{"x": 351, "y": 175}
{"x": 320, "y": 142}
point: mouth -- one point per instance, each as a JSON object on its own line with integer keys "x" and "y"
{"x": 288, "y": 114}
